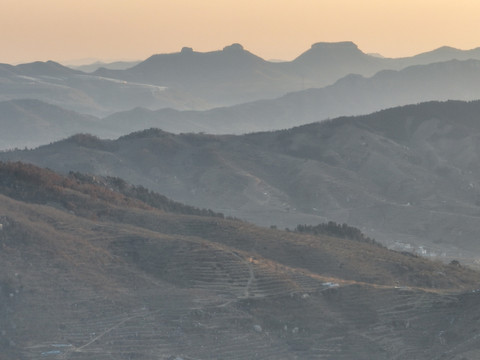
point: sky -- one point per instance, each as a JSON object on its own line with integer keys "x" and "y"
{"x": 72, "y": 30}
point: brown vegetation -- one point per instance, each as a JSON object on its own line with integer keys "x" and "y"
{"x": 116, "y": 277}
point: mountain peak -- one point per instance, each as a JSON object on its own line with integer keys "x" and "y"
{"x": 333, "y": 53}
{"x": 334, "y": 45}
{"x": 50, "y": 68}
{"x": 186, "y": 50}
{"x": 233, "y": 47}
{"x": 446, "y": 48}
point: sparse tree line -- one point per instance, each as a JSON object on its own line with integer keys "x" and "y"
{"x": 141, "y": 193}
{"x": 30, "y": 183}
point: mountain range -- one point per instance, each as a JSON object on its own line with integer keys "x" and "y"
{"x": 234, "y": 75}
{"x": 190, "y": 80}
{"x": 74, "y": 90}
{"x": 91, "y": 272}
{"x": 219, "y": 206}
{"x": 407, "y": 175}
{"x": 351, "y": 95}
{"x": 95, "y": 65}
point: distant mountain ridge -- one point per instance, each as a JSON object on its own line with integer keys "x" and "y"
{"x": 340, "y": 59}
{"x": 247, "y": 77}
{"x": 85, "y": 93}
{"x": 229, "y": 76}
{"x": 49, "y": 68}
{"x": 190, "y": 80}
{"x": 443, "y": 53}
{"x": 192, "y": 77}
{"x": 115, "y": 65}
{"x": 351, "y": 95}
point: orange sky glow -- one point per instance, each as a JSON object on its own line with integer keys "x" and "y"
{"x": 66, "y": 30}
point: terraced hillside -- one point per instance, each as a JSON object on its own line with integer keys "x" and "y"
{"x": 90, "y": 273}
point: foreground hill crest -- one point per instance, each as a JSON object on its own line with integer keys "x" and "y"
{"x": 115, "y": 275}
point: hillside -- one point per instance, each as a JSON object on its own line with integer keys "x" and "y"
{"x": 31, "y": 123}
{"x": 407, "y": 175}
{"x": 89, "y": 272}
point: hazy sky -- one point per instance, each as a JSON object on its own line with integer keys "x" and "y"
{"x": 63, "y": 30}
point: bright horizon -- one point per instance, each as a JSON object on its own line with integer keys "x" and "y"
{"x": 110, "y": 30}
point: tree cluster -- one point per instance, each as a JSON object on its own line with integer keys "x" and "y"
{"x": 333, "y": 229}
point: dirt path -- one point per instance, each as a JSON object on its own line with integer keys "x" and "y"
{"x": 251, "y": 272}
